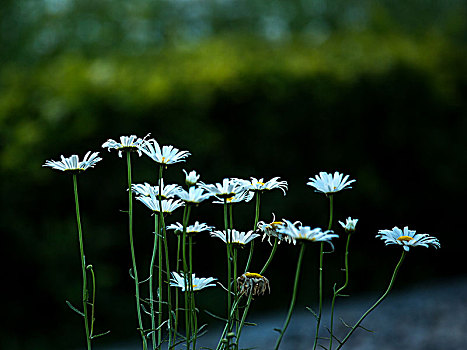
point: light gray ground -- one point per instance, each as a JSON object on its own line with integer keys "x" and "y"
{"x": 426, "y": 317}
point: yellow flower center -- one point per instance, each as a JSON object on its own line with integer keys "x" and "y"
{"x": 163, "y": 159}
{"x": 260, "y": 183}
{"x": 275, "y": 224}
{"x": 253, "y": 275}
{"x": 195, "y": 285}
{"x": 228, "y": 200}
{"x": 405, "y": 238}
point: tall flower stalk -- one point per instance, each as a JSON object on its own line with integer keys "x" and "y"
{"x": 133, "y": 255}
{"x": 83, "y": 266}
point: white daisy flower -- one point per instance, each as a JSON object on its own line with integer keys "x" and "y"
{"x": 270, "y": 230}
{"x": 407, "y": 238}
{"x": 73, "y": 164}
{"x": 191, "y": 178}
{"x": 165, "y": 155}
{"x": 349, "y": 224}
{"x": 256, "y": 185}
{"x": 191, "y": 229}
{"x": 194, "y": 195}
{"x": 305, "y": 233}
{"x": 239, "y": 197}
{"x": 228, "y": 188}
{"x": 327, "y": 183}
{"x": 235, "y": 237}
{"x": 168, "y": 205}
{"x": 178, "y": 280}
{"x": 127, "y": 143}
{"x": 168, "y": 191}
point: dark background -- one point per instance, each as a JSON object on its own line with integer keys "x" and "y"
{"x": 376, "y": 90}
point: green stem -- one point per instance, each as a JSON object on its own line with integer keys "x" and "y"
{"x": 336, "y": 292}
{"x": 151, "y": 283}
{"x": 294, "y": 295}
{"x": 228, "y": 240}
{"x": 186, "y": 215}
{"x": 159, "y": 283}
{"x": 219, "y": 344}
{"x": 194, "y": 321}
{"x": 83, "y": 264}
{"x": 177, "y": 269}
{"x": 273, "y": 251}
{"x": 257, "y": 207}
{"x": 321, "y": 253}
{"x": 133, "y": 257}
{"x": 89, "y": 267}
{"x": 391, "y": 283}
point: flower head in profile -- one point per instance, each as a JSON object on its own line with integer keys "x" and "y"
{"x": 349, "y": 225}
{"x": 166, "y": 191}
{"x": 253, "y": 283}
{"x": 127, "y": 143}
{"x": 165, "y": 155}
{"x": 407, "y": 238}
{"x": 270, "y": 230}
{"x": 260, "y": 185}
{"x": 72, "y": 164}
{"x": 152, "y": 202}
{"x": 328, "y": 183}
{"x": 305, "y": 233}
{"x": 191, "y": 178}
{"x": 191, "y": 229}
{"x": 194, "y": 195}
{"x": 237, "y": 198}
{"x": 227, "y": 189}
{"x": 178, "y": 280}
{"x": 235, "y": 237}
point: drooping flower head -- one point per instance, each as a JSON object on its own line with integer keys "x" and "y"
{"x": 152, "y": 202}
{"x": 270, "y": 230}
{"x": 191, "y": 229}
{"x": 305, "y": 233}
{"x": 253, "y": 283}
{"x": 260, "y": 185}
{"x": 178, "y": 280}
{"x": 235, "y": 237}
{"x": 194, "y": 195}
{"x": 191, "y": 178}
{"x": 328, "y": 183}
{"x": 127, "y": 143}
{"x": 349, "y": 225}
{"x": 72, "y": 164}
{"x": 165, "y": 155}
{"x": 166, "y": 191}
{"x": 407, "y": 238}
{"x": 227, "y": 189}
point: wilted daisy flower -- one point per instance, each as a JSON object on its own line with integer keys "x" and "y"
{"x": 165, "y": 155}
{"x": 194, "y": 195}
{"x": 178, "y": 280}
{"x": 239, "y": 197}
{"x": 73, "y": 164}
{"x": 127, "y": 143}
{"x": 327, "y": 183}
{"x": 228, "y": 188}
{"x": 191, "y": 178}
{"x": 253, "y": 283}
{"x": 168, "y": 205}
{"x": 305, "y": 233}
{"x": 235, "y": 237}
{"x": 407, "y": 238}
{"x": 167, "y": 191}
{"x": 270, "y": 230}
{"x": 349, "y": 224}
{"x": 256, "y": 185}
{"x": 191, "y": 229}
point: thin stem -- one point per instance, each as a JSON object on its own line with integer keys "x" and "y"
{"x": 228, "y": 240}
{"x": 186, "y": 215}
{"x": 159, "y": 283}
{"x": 391, "y": 283}
{"x": 194, "y": 320}
{"x": 294, "y": 295}
{"x": 151, "y": 283}
{"x": 257, "y": 209}
{"x": 336, "y": 292}
{"x": 219, "y": 344}
{"x": 321, "y": 252}
{"x": 83, "y": 263}
{"x": 273, "y": 251}
{"x": 133, "y": 257}
{"x": 93, "y": 304}
{"x": 177, "y": 269}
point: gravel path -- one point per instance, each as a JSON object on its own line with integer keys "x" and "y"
{"x": 426, "y": 317}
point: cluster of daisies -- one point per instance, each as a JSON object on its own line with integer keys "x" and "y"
{"x": 169, "y": 197}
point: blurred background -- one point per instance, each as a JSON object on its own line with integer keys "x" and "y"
{"x": 289, "y": 88}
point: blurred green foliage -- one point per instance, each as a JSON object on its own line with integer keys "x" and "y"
{"x": 287, "y": 89}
